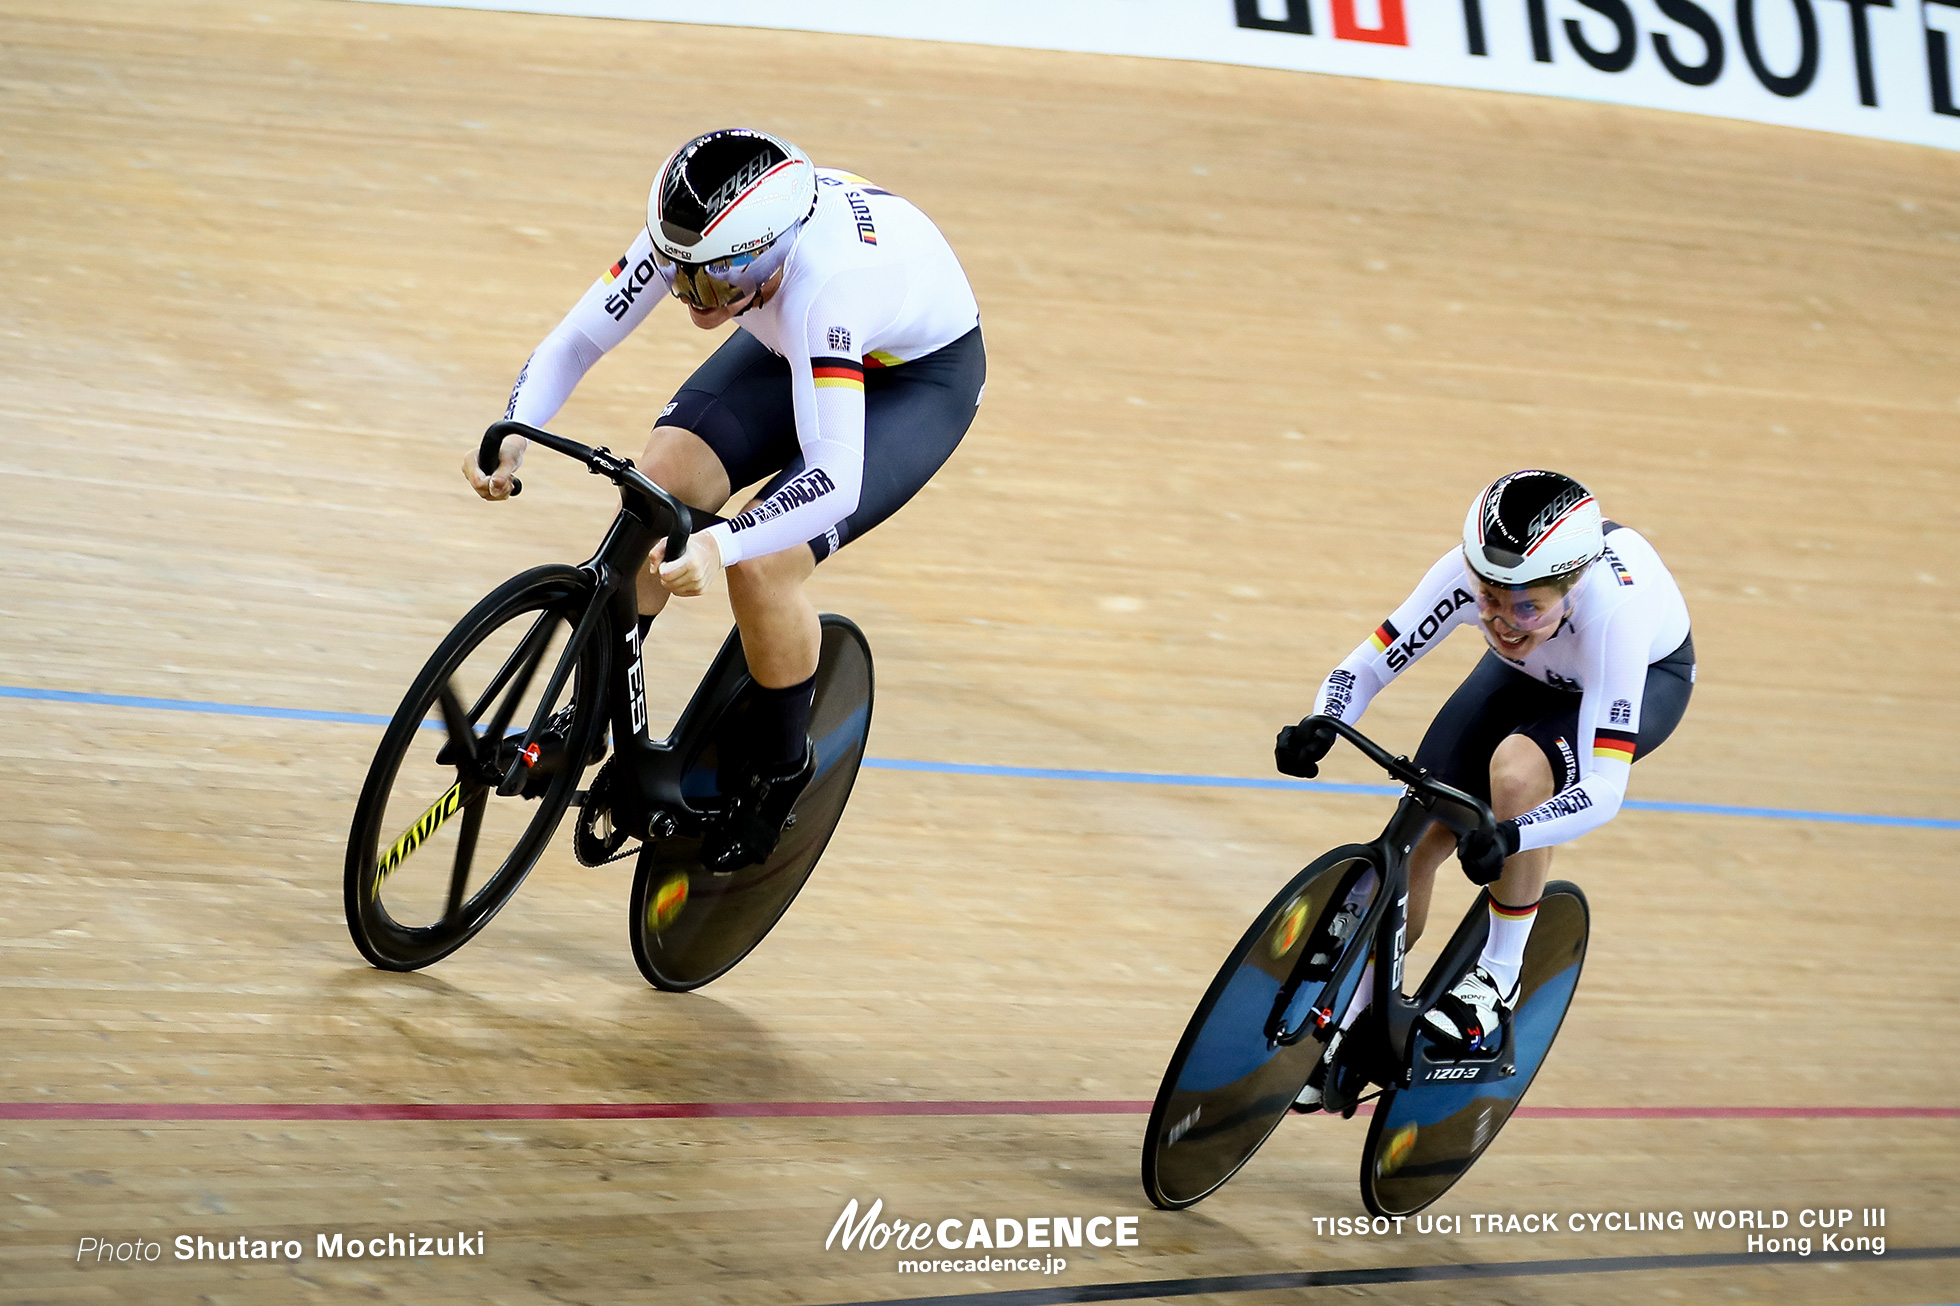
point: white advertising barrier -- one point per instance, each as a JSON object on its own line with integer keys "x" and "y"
{"x": 1883, "y": 68}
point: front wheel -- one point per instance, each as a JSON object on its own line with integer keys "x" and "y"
{"x": 1230, "y": 1081}
{"x": 430, "y": 813}
{"x": 1424, "y": 1137}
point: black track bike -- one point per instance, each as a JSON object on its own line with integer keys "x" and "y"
{"x": 485, "y": 755}
{"x": 1275, "y": 1005}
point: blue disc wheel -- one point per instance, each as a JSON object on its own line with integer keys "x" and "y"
{"x": 1425, "y": 1136}
{"x": 1252, "y": 1041}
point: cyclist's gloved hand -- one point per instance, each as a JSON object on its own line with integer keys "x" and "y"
{"x": 1299, "y": 749}
{"x": 1482, "y": 853}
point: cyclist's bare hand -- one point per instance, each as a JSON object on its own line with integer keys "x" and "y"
{"x": 510, "y": 457}
{"x": 688, "y": 575}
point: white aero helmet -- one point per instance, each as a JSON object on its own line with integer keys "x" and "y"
{"x": 1532, "y": 527}
{"x": 723, "y": 210}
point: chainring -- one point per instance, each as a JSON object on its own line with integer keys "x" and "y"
{"x": 595, "y": 839}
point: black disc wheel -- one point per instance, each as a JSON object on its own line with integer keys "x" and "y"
{"x": 1424, "y": 1137}
{"x": 435, "y": 848}
{"x": 690, "y": 925}
{"x": 1252, "y": 1042}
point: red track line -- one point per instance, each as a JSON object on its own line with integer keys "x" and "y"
{"x": 1741, "y": 1112}
{"x": 541, "y": 1110}
{"x": 788, "y": 1110}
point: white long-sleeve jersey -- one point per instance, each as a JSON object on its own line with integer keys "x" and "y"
{"x": 1626, "y": 614}
{"x": 870, "y": 283}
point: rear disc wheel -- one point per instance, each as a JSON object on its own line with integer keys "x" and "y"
{"x": 690, "y": 925}
{"x": 1425, "y": 1137}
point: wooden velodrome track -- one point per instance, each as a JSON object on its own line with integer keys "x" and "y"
{"x": 1255, "y": 339}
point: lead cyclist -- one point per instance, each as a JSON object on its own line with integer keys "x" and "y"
{"x": 853, "y": 372}
{"x": 1589, "y": 668}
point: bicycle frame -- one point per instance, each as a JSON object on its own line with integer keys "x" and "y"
{"x": 653, "y": 804}
{"x": 1386, "y": 923}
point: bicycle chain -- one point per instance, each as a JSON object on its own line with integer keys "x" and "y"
{"x": 621, "y": 856}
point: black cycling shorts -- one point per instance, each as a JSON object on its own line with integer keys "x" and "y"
{"x": 1496, "y": 701}
{"x": 915, "y": 414}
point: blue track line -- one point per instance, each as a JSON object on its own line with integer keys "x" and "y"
{"x": 193, "y": 705}
{"x": 1007, "y": 772}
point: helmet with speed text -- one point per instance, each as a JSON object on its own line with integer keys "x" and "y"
{"x": 723, "y": 212}
{"x": 1532, "y": 528}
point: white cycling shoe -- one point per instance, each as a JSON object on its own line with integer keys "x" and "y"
{"x": 1470, "y": 1018}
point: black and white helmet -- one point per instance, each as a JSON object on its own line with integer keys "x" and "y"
{"x": 722, "y": 212}
{"x": 1531, "y": 527}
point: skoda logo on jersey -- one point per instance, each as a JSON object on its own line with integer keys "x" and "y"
{"x": 1403, "y": 653}
{"x": 628, "y": 288}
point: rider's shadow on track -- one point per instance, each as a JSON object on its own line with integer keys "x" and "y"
{"x": 649, "y": 1047}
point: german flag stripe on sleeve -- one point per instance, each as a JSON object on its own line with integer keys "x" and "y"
{"x": 1384, "y": 635}
{"x": 1616, "y": 744}
{"x": 829, "y": 372}
{"x": 612, "y": 273}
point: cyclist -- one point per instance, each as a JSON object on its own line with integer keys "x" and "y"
{"x": 853, "y": 372}
{"x": 1589, "y": 669}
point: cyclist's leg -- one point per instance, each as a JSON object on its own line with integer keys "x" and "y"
{"x": 731, "y": 423}
{"x": 681, "y": 463}
{"x": 1539, "y": 760}
{"x": 1521, "y": 779}
{"x": 781, "y": 640}
{"x": 1491, "y": 703}
{"x": 1434, "y": 848}
{"x": 780, "y": 634}
{"x": 915, "y": 415}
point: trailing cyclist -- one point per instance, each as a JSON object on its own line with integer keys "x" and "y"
{"x": 854, "y": 371}
{"x": 1589, "y": 669}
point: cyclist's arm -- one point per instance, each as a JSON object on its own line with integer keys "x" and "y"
{"x": 1609, "y": 722}
{"x": 1440, "y": 603}
{"x": 605, "y": 315}
{"x": 824, "y": 337}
